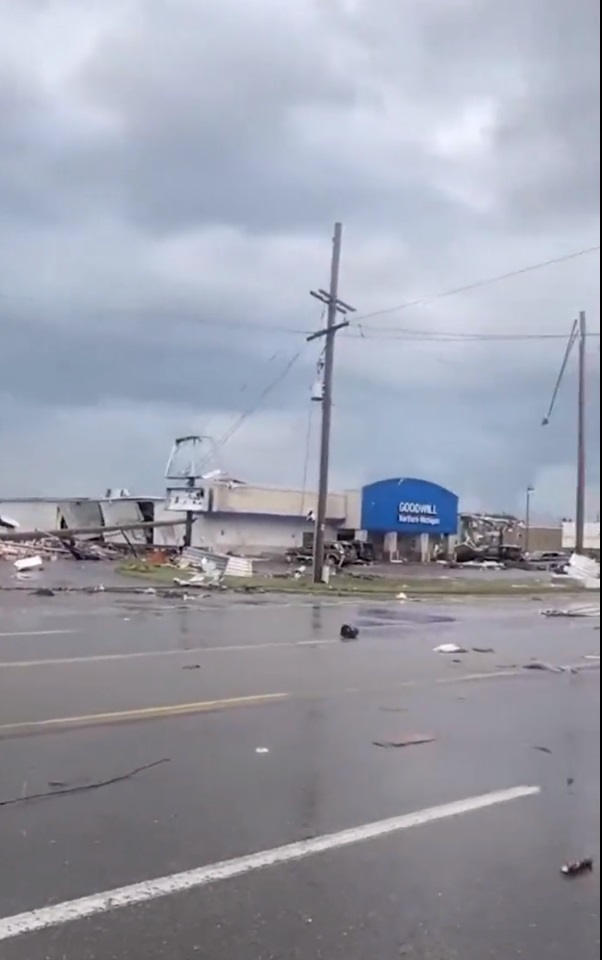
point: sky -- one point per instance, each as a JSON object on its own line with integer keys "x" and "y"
{"x": 170, "y": 173}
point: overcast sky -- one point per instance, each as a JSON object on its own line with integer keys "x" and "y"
{"x": 170, "y": 171}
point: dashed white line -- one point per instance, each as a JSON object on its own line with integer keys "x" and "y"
{"x": 109, "y": 900}
{"x": 140, "y": 654}
{"x": 37, "y": 633}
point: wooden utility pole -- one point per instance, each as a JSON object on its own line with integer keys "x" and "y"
{"x": 580, "y": 498}
{"x": 334, "y": 306}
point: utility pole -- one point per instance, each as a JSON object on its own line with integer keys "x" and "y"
{"x": 334, "y": 307}
{"x": 580, "y": 502}
{"x": 578, "y": 334}
{"x": 529, "y": 491}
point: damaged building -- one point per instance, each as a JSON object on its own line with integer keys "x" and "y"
{"x": 403, "y": 518}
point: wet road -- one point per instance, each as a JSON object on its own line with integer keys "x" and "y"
{"x": 270, "y": 740}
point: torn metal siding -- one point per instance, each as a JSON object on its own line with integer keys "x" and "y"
{"x": 117, "y": 512}
{"x": 80, "y": 514}
{"x": 168, "y": 536}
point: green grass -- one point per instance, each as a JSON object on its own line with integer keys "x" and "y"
{"x": 346, "y": 585}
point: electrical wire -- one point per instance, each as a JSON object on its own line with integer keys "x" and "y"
{"x": 253, "y": 409}
{"x": 477, "y": 284}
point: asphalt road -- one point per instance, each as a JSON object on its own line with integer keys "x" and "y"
{"x": 269, "y": 739}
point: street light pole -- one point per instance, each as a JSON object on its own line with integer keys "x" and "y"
{"x": 334, "y": 306}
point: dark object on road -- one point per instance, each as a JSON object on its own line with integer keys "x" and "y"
{"x": 84, "y": 787}
{"x": 43, "y": 592}
{"x": 538, "y": 665}
{"x": 542, "y": 749}
{"x": 578, "y": 867}
{"x": 412, "y": 740}
{"x": 483, "y": 650}
{"x": 348, "y": 632}
{"x": 191, "y": 666}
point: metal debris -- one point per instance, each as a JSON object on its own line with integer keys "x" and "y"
{"x": 449, "y": 648}
{"x": 483, "y": 650}
{"x": 577, "y": 867}
{"x": 539, "y": 665}
{"x": 542, "y": 749}
{"x": 411, "y": 740}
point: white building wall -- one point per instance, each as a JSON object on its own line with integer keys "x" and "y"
{"x": 252, "y": 535}
{"x": 591, "y": 536}
{"x": 271, "y": 502}
{"x": 32, "y": 514}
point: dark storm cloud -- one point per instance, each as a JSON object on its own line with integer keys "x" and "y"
{"x": 459, "y": 134}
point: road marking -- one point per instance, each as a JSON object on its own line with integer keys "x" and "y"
{"x": 140, "y": 654}
{"x": 37, "y": 633}
{"x": 177, "y": 709}
{"x": 144, "y": 713}
{"x": 109, "y": 900}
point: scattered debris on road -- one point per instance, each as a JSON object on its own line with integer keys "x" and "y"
{"x": 411, "y": 740}
{"x": 582, "y": 610}
{"x": 578, "y": 867}
{"x": 262, "y": 750}
{"x": 191, "y": 666}
{"x": 449, "y": 648}
{"x": 539, "y": 665}
{"x": 28, "y": 563}
{"x": 542, "y": 749}
{"x": 348, "y": 632}
{"x": 483, "y": 650}
{"x": 62, "y": 791}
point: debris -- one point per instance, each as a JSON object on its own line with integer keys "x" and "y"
{"x": 28, "y": 563}
{"x": 43, "y": 592}
{"x": 578, "y": 867}
{"x": 538, "y": 665}
{"x": 584, "y": 570}
{"x": 191, "y": 666}
{"x": 448, "y": 648}
{"x": 411, "y": 740}
{"x": 542, "y": 749}
{"x": 348, "y": 632}
{"x": 262, "y": 750}
{"x": 84, "y": 787}
{"x": 583, "y": 610}
{"x": 401, "y": 596}
{"x": 483, "y": 650}
{"x": 591, "y": 656}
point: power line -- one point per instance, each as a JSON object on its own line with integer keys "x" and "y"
{"x": 250, "y": 411}
{"x": 477, "y": 284}
{"x": 433, "y": 336}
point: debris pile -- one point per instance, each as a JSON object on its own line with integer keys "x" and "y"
{"x": 51, "y": 548}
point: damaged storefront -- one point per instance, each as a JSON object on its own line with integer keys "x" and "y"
{"x": 409, "y": 519}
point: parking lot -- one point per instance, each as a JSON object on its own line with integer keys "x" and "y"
{"x": 257, "y": 808}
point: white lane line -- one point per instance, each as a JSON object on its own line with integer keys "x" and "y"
{"x": 37, "y": 633}
{"x": 136, "y": 655}
{"x": 60, "y": 913}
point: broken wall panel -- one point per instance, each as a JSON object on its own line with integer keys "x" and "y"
{"x": 120, "y": 512}
{"x": 80, "y": 514}
{"x": 32, "y": 514}
{"x": 168, "y": 536}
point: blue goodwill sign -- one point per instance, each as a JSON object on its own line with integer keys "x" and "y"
{"x": 409, "y": 506}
